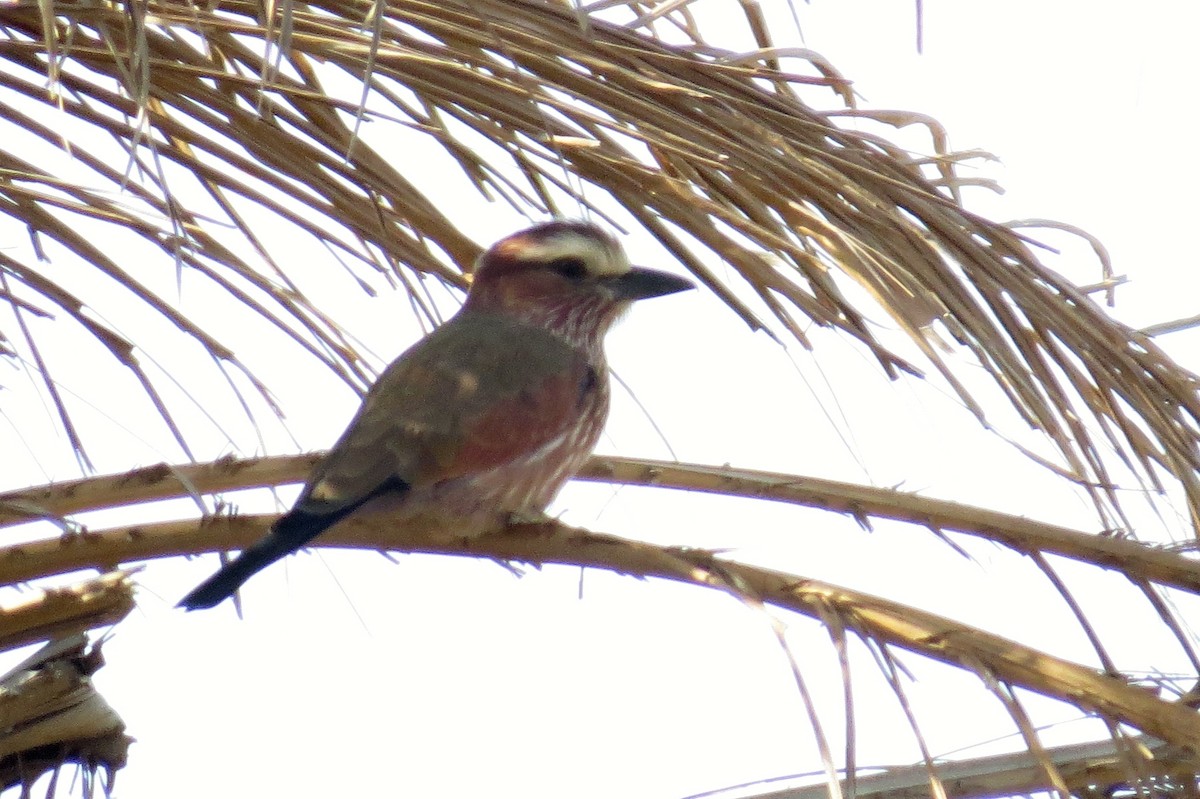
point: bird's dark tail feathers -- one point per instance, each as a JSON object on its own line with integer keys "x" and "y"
{"x": 230, "y": 577}
{"x": 291, "y": 532}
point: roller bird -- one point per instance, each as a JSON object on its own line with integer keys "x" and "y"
{"x": 482, "y": 421}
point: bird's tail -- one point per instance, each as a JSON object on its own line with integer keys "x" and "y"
{"x": 290, "y": 532}
{"x": 230, "y": 577}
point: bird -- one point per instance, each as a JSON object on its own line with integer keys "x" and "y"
{"x": 483, "y": 420}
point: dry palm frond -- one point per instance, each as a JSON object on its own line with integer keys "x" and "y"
{"x": 699, "y": 145}
{"x": 1140, "y": 562}
{"x": 874, "y": 618}
{"x": 50, "y": 712}
{"x": 999, "y": 661}
{"x": 1085, "y": 768}
{"x": 162, "y": 145}
{"x": 60, "y": 613}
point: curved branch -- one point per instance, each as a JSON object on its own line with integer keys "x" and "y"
{"x": 551, "y": 542}
{"x": 1018, "y": 533}
{"x": 1138, "y": 560}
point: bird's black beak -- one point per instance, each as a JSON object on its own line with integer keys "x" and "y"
{"x": 641, "y": 284}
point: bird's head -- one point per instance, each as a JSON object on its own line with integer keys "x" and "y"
{"x": 569, "y": 277}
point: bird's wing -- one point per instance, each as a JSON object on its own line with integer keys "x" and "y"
{"x": 476, "y": 394}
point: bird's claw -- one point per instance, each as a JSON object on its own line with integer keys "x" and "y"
{"x": 527, "y": 517}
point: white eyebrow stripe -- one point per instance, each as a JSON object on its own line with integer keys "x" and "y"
{"x": 602, "y": 258}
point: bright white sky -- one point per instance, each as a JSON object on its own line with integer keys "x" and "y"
{"x": 441, "y": 677}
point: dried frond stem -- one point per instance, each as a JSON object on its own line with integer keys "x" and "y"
{"x": 55, "y": 613}
{"x": 61, "y": 501}
{"x": 873, "y": 617}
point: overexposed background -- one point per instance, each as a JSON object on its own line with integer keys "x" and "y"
{"x": 451, "y": 677}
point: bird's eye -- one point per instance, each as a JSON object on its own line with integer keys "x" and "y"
{"x": 570, "y": 268}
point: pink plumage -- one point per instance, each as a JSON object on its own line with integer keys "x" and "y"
{"x": 488, "y": 416}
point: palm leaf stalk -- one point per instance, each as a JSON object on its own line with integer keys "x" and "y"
{"x": 189, "y": 124}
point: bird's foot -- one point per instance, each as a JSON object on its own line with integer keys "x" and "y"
{"x": 527, "y": 517}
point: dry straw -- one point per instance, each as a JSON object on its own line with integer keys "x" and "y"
{"x": 543, "y": 106}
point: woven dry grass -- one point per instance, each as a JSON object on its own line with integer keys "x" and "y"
{"x": 545, "y": 108}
